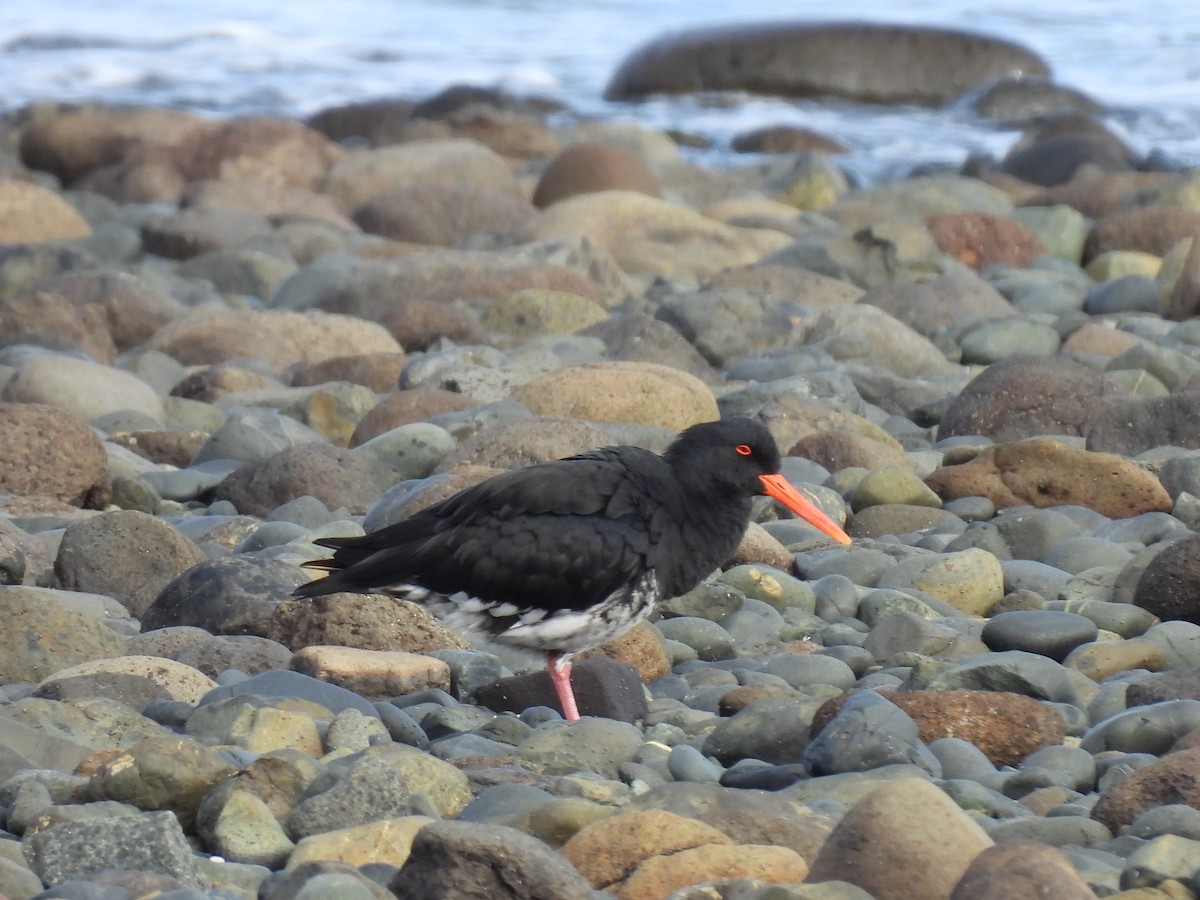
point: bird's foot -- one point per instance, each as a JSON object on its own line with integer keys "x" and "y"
{"x": 560, "y": 676}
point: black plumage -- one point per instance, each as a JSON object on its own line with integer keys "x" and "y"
{"x": 565, "y": 555}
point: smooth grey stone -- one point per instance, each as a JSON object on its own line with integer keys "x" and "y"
{"x": 807, "y": 669}
{"x": 463, "y": 424}
{"x": 842, "y": 633}
{"x": 503, "y": 801}
{"x": 1053, "y": 831}
{"x": 307, "y": 511}
{"x": 987, "y": 341}
{"x": 278, "y": 684}
{"x": 1125, "y": 619}
{"x": 1083, "y": 552}
{"x": 880, "y": 602}
{"x": 1152, "y": 728}
{"x": 836, "y": 596}
{"x": 1029, "y": 575}
{"x": 1052, "y": 634}
{"x": 1179, "y": 641}
{"x": 271, "y": 534}
{"x": 960, "y": 759}
{"x": 1147, "y": 528}
{"x": 409, "y": 451}
{"x": 401, "y": 726}
{"x": 1012, "y": 670}
{"x": 973, "y": 796}
{"x": 1172, "y": 367}
{"x": 1128, "y": 293}
{"x": 1114, "y": 767}
{"x": 1032, "y": 533}
{"x": 469, "y": 670}
{"x": 433, "y": 367}
{"x": 863, "y": 566}
{"x": 1174, "y": 818}
{"x": 1164, "y": 857}
{"x": 859, "y": 659}
{"x": 686, "y": 763}
{"x": 774, "y": 730}
{"x": 868, "y": 732}
{"x": 708, "y": 639}
{"x": 188, "y": 484}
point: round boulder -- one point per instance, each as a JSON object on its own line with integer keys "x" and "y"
{"x": 51, "y": 453}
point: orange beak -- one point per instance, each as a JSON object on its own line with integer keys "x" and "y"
{"x": 779, "y": 488}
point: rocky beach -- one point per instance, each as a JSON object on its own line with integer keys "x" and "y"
{"x": 224, "y": 339}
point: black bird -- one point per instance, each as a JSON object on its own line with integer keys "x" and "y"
{"x": 563, "y": 556}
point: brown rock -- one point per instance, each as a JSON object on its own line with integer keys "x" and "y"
{"x": 607, "y": 852}
{"x": 418, "y": 323}
{"x": 651, "y": 236}
{"x": 1021, "y": 871}
{"x": 42, "y": 635}
{"x": 932, "y": 306}
{"x": 334, "y": 476}
{"x": 1176, "y": 684}
{"x": 801, "y": 829}
{"x": 903, "y": 840}
{"x": 378, "y": 371}
{"x": 362, "y": 622}
{"x": 1151, "y": 229}
{"x": 640, "y": 647}
{"x": 279, "y": 337}
{"x": 49, "y": 452}
{"x": 1101, "y": 660}
{"x": 265, "y": 198}
{"x": 526, "y": 313}
{"x": 1006, "y": 727}
{"x": 785, "y": 139}
{"x": 818, "y": 291}
{"x": 378, "y": 121}
{"x": 1171, "y": 779}
{"x": 1100, "y": 340}
{"x": 46, "y": 315}
{"x": 522, "y": 442}
{"x": 1099, "y": 195}
{"x": 1170, "y": 585}
{"x": 1129, "y": 426}
{"x": 76, "y": 142}
{"x": 979, "y": 239}
{"x": 175, "y": 448}
{"x": 736, "y": 699}
{"x": 1046, "y": 473}
{"x": 840, "y": 448}
{"x": 1026, "y": 397}
{"x": 441, "y": 214}
{"x": 641, "y": 393}
{"x": 1183, "y": 301}
{"x": 511, "y": 135}
{"x": 660, "y": 876}
{"x": 360, "y": 176}
{"x": 30, "y": 213}
{"x": 405, "y": 407}
{"x": 125, "y": 554}
{"x": 134, "y": 308}
{"x": 591, "y": 166}
{"x": 375, "y": 674}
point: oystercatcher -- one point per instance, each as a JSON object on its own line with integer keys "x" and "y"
{"x": 564, "y": 556}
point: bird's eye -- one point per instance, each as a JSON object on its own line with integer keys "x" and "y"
{"x": 743, "y": 449}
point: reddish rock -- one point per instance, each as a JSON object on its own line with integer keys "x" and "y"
{"x": 173, "y": 448}
{"x": 979, "y": 239}
{"x": 404, "y": 407}
{"x": 51, "y": 453}
{"x": 441, "y": 214}
{"x": 591, "y": 166}
{"x": 378, "y": 371}
{"x": 416, "y": 324}
{"x": 212, "y": 383}
{"x": 30, "y": 213}
{"x": 47, "y": 319}
{"x": 840, "y": 448}
{"x": 134, "y": 308}
{"x": 1170, "y": 585}
{"x": 1046, "y": 473}
{"x": 1150, "y": 229}
{"x": 1021, "y": 871}
{"x": 1171, "y": 779}
{"x": 334, "y": 476}
{"x": 1026, "y": 397}
{"x": 1006, "y": 727}
{"x": 361, "y": 621}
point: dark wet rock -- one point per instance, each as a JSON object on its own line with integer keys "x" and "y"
{"x": 1023, "y": 397}
{"x": 1130, "y": 426}
{"x": 1052, "y": 634}
{"x": 1170, "y": 585}
{"x": 602, "y": 687}
{"x": 233, "y": 595}
{"x": 1176, "y": 684}
{"x": 867, "y": 732}
{"x": 875, "y": 63}
{"x": 458, "y": 860}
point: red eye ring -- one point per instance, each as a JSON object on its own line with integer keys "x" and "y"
{"x": 743, "y": 450}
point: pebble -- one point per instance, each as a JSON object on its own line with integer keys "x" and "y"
{"x": 1008, "y": 651}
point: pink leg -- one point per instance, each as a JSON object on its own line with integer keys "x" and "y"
{"x": 560, "y": 675}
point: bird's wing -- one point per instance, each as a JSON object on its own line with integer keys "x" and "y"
{"x": 564, "y": 534}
